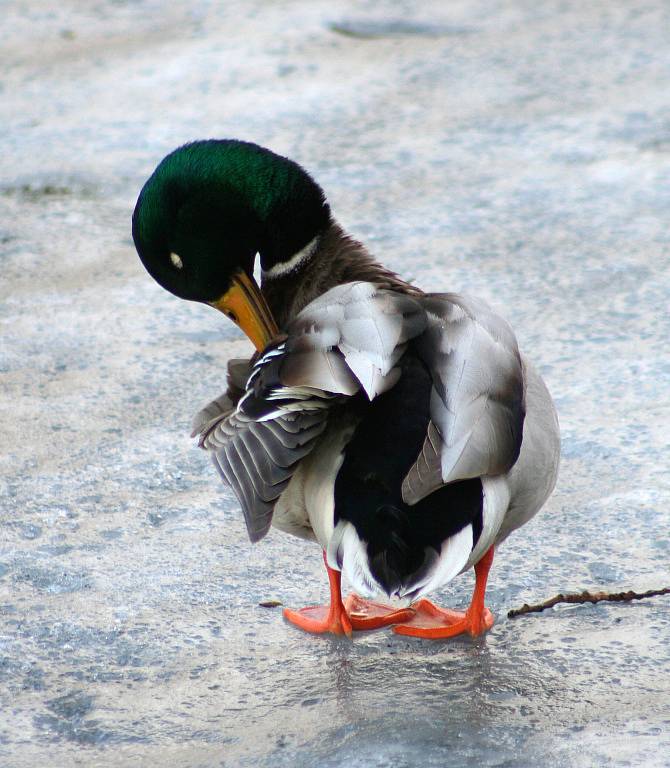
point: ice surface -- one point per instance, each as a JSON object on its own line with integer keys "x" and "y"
{"x": 517, "y": 151}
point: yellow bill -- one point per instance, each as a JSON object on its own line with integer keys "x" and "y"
{"x": 245, "y": 305}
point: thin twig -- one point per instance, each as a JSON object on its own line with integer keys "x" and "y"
{"x": 587, "y": 597}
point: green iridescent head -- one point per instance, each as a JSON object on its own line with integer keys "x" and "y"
{"x": 210, "y": 206}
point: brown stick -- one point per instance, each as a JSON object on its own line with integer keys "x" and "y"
{"x": 586, "y": 597}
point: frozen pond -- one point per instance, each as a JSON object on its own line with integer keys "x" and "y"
{"x": 518, "y": 151}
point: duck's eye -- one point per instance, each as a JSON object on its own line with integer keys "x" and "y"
{"x": 230, "y": 314}
{"x": 176, "y": 260}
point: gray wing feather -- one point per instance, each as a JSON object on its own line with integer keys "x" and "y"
{"x": 209, "y": 416}
{"x": 324, "y": 369}
{"x": 349, "y": 338}
{"x": 477, "y": 402}
{"x": 227, "y": 462}
{"x": 368, "y": 326}
{"x": 258, "y": 459}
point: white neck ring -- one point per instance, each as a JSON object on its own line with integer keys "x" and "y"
{"x": 286, "y": 267}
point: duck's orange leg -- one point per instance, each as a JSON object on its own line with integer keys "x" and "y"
{"x": 340, "y": 620}
{"x": 437, "y": 623}
{"x": 324, "y": 618}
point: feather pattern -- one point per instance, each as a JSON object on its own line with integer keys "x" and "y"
{"x": 206, "y": 419}
{"x": 477, "y": 402}
{"x": 349, "y": 339}
{"x": 257, "y": 460}
{"x": 369, "y": 327}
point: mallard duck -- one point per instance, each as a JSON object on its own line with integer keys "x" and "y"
{"x": 402, "y": 431}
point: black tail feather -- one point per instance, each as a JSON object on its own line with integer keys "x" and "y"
{"x": 389, "y": 561}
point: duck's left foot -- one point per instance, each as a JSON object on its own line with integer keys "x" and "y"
{"x": 436, "y": 623}
{"x": 366, "y": 614}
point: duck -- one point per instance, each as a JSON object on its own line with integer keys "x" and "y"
{"x": 402, "y": 431}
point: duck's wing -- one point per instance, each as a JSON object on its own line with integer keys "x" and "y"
{"x": 347, "y": 340}
{"x": 257, "y": 459}
{"x": 206, "y": 419}
{"x": 477, "y": 401}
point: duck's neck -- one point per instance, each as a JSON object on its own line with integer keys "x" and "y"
{"x": 334, "y": 258}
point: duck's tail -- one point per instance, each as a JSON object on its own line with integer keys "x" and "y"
{"x": 389, "y": 561}
{"x": 390, "y": 555}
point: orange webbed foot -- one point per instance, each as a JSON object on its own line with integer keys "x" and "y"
{"x": 366, "y": 614}
{"x": 433, "y": 622}
{"x": 320, "y": 619}
{"x": 437, "y": 623}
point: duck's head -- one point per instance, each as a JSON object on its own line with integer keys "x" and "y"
{"x": 209, "y": 208}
